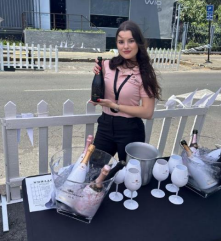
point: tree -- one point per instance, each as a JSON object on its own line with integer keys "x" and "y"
{"x": 194, "y": 11}
{"x": 218, "y": 14}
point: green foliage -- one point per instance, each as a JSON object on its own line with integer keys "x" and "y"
{"x": 218, "y": 14}
{"x": 192, "y": 44}
{"x": 194, "y": 11}
{"x": 68, "y": 30}
{"x": 89, "y": 31}
{"x": 10, "y": 39}
{"x": 216, "y": 48}
{"x": 30, "y": 28}
{"x": 5, "y": 41}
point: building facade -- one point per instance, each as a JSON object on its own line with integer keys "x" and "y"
{"x": 153, "y": 16}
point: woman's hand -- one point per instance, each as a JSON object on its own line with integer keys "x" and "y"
{"x": 93, "y": 103}
{"x": 104, "y": 102}
{"x": 97, "y": 68}
{"x": 145, "y": 110}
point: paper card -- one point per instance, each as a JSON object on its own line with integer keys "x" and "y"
{"x": 39, "y": 190}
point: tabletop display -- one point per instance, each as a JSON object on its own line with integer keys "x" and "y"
{"x": 154, "y": 207}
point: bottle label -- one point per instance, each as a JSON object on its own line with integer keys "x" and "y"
{"x": 78, "y": 175}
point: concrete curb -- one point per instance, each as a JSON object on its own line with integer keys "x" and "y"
{"x": 80, "y": 59}
{"x": 188, "y": 63}
{"x": 76, "y": 60}
{"x": 182, "y": 62}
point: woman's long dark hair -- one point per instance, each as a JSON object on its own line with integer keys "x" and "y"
{"x": 148, "y": 75}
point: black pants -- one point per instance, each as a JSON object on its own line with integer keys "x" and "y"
{"x": 115, "y": 132}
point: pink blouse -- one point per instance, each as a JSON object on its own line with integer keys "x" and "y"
{"x": 130, "y": 94}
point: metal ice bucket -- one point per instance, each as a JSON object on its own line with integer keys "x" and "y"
{"x": 146, "y": 154}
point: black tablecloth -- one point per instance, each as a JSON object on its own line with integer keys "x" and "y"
{"x": 197, "y": 219}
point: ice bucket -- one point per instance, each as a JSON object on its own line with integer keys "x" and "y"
{"x": 146, "y": 154}
{"x": 79, "y": 200}
{"x": 204, "y": 176}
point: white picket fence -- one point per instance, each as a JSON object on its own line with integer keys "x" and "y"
{"x": 162, "y": 58}
{"x": 28, "y": 57}
{"x": 194, "y": 114}
{"x": 165, "y": 58}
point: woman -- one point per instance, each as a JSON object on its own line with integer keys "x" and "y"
{"x": 129, "y": 79}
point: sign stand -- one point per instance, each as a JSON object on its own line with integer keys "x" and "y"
{"x": 209, "y": 17}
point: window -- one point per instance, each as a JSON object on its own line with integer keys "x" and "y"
{"x": 109, "y": 13}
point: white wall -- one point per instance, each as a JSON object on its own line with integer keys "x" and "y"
{"x": 42, "y": 16}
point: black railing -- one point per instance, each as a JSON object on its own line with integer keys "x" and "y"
{"x": 39, "y": 20}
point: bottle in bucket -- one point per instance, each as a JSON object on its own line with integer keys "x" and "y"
{"x": 89, "y": 141}
{"x": 215, "y": 155}
{"x": 92, "y": 195}
{"x": 114, "y": 170}
{"x": 190, "y": 153}
{"x": 199, "y": 170}
{"x": 79, "y": 173}
{"x": 71, "y": 187}
{"x": 194, "y": 139}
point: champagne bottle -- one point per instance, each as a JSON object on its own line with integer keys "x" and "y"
{"x": 219, "y": 160}
{"x": 200, "y": 171}
{"x": 79, "y": 174}
{"x": 115, "y": 169}
{"x": 194, "y": 139}
{"x": 89, "y": 141}
{"x": 68, "y": 192}
{"x": 97, "y": 89}
{"x": 215, "y": 154}
{"x": 92, "y": 195}
{"x": 97, "y": 186}
{"x": 190, "y": 153}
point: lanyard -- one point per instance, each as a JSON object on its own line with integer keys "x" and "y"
{"x": 117, "y": 92}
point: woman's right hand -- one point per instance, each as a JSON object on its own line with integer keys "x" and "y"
{"x": 97, "y": 68}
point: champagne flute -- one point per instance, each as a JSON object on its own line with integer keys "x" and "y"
{"x": 173, "y": 161}
{"x": 179, "y": 177}
{"x": 133, "y": 182}
{"x": 161, "y": 173}
{"x": 118, "y": 179}
{"x": 133, "y": 163}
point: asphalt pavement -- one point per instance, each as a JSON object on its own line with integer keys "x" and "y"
{"x": 189, "y": 63}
